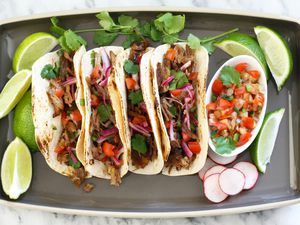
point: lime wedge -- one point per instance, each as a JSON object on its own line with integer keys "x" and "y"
{"x": 277, "y": 53}
{"x": 32, "y": 48}
{"x": 262, "y": 148}
{"x": 16, "y": 169}
{"x": 242, "y": 44}
{"x": 13, "y": 91}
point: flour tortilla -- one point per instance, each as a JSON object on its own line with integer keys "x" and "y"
{"x": 46, "y": 136}
{"x": 98, "y": 168}
{"x": 201, "y": 60}
{"x": 153, "y": 167}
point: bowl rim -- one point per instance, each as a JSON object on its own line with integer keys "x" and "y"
{"x": 254, "y": 64}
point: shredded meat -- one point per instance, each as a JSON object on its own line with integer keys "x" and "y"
{"x": 63, "y": 157}
{"x": 71, "y": 127}
{"x": 88, "y": 187}
{"x": 178, "y": 160}
{"x": 78, "y": 176}
{"x": 68, "y": 98}
{"x": 95, "y": 121}
{"x": 115, "y": 175}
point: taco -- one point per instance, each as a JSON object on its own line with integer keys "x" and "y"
{"x": 58, "y": 112}
{"x": 106, "y": 151}
{"x": 141, "y": 125}
{"x": 178, "y": 76}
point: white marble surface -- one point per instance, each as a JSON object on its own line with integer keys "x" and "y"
{"x": 12, "y": 8}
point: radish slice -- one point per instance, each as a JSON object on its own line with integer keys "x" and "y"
{"x": 212, "y": 190}
{"x": 221, "y": 159}
{"x": 232, "y": 181}
{"x": 208, "y": 164}
{"x": 214, "y": 169}
{"x": 250, "y": 172}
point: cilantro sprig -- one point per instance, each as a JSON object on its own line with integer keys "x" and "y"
{"x": 165, "y": 28}
{"x": 138, "y": 143}
{"x": 224, "y": 145}
{"x": 230, "y": 76}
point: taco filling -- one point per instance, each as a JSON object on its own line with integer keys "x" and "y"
{"x": 143, "y": 146}
{"x": 106, "y": 143}
{"x": 177, "y": 79}
{"x": 62, "y": 97}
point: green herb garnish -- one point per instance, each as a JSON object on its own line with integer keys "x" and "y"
{"x": 93, "y": 57}
{"x": 136, "y": 97}
{"x": 230, "y": 76}
{"x": 173, "y": 110}
{"x": 179, "y": 81}
{"x": 48, "y": 72}
{"x": 138, "y": 143}
{"x": 73, "y": 164}
{"x": 130, "y": 67}
{"x": 248, "y": 87}
{"x": 104, "y": 112}
{"x": 224, "y": 145}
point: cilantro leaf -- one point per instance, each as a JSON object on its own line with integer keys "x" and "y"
{"x": 55, "y": 28}
{"x": 138, "y": 143}
{"x": 136, "y": 97}
{"x": 170, "y": 24}
{"x": 130, "y": 67}
{"x": 128, "y": 21}
{"x": 193, "y": 41}
{"x": 209, "y": 46}
{"x": 173, "y": 110}
{"x": 224, "y": 145}
{"x": 229, "y": 76}
{"x": 179, "y": 81}
{"x": 105, "y": 20}
{"x": 48, "y": 72}
{"x": 103, "y": 38}
{"x": 130, "y": 39}
{"x": 149, "y": 30}
{"x": 76, "y": 165}
{"x": 104, "y": 112}
{"x": 170, "y": 38}
{"x": 73, "y": 40}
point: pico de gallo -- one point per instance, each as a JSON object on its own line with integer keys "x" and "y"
{"x": 235, "y": 107}
{"x": 62, "y": 97}
{"x": 177, "y": 80}
{"x": 143, "y": 145}
{"x": 106, "y": 143}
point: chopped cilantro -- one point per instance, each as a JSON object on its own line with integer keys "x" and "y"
{"x": 130, "y": 67}
{"x": 248, "y": 87}
{"x": 230, "y": 76}
{"x": 224, "y": 145}
{"x": 214, "y": 97}
{"x": 179, "y": 81}
{"x": 228, "y": 98}
{"x": 48, "y": 72}
{"x": 213, "y": 133}
{"x": 73, "y": 164}
{"x": 136, "y": 97}
{"x": 236, "y": 109}
{"x": 138, "y": 143}
{"x": 94, "y": 137}
{"x": 173, "y": 110}
{"x": 104, "y": 112}
{"x": 236, "y": 137}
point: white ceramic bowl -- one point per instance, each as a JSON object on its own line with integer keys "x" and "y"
{"x": 253, "y": 64}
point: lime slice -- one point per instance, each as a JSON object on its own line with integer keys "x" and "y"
{"x": 16, "y": 169}
{"x": 262, "y": 148}
{"x": 277, "y": 53}
{"x": 32, "y": 48}
{"x": 13, "y": 91}
{"x": 242, "y": 44}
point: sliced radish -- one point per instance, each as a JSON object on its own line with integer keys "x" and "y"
{"x": 208, "y": 164}
{"x": 212, "y": 190}
{"x": 250, "y": 172}
{"x": 232, "y": 181}
{"x": 214, "y": 169}
{"x": 222, "y": 160}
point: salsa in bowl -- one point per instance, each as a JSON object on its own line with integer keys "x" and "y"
{"x": 236, "y": 104}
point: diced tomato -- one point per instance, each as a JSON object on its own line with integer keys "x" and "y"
{"x": 240, "y": 90}
{"x": 76, "y": 115}
{"x": 241, "y": 67}
{"x": 219, "y": 126}
{"x": 217, "y": 86}
{"x": 108, "y": 149}
{"x": 194, "y": 147}
{"x": 246, "y": 104}
{"x": 64, "y": 118}
{"x": 104, "y": 159}
{"x": 185, "y": 136}
{"x": 171, "y": 54}
{"x": 211, "y": 106}
{"x": 95, "y": 101}
{"x": 168, "y": 124}
{"x": 254, "y": 73}
{"x": 243, "y": 139}
{"x": 224, "y": 104}
{"x": 258, "y": 101}
{"x": 176, "y": 92}
{"x": 193, "y": 75}
{"x": 139, "y": 119}
{"x": 59, "y": 92}
{"x": 248, "y": 122}
{"x": 130, "y": 83}
{"x": 139, "y": 58}
{"x": 225, "y": 114}
{"x": 95, "y": 73}
{"x": 59, "y": 149}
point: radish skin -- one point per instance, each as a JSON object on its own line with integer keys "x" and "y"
{"x": 232, "y": 181}
{"x": 214, "y": 169}
{"x": 212, "y": 190}
{"x": 221, "y": 160}
{"x": 250, "y": 172}
{"x": 208, "y": 164}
